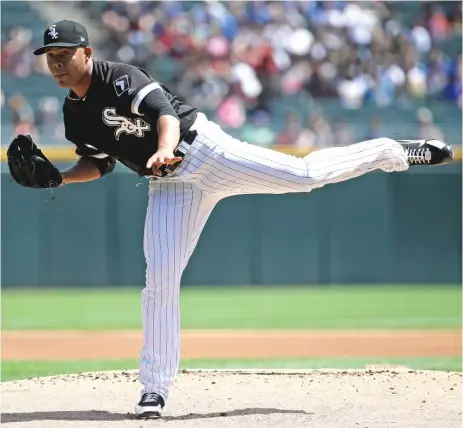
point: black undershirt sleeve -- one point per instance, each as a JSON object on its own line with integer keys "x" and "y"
{"x": 103, "y": 162}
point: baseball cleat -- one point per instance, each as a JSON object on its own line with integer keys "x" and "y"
{"x": 150, "y": 405}
{"x": 427, "y": 152}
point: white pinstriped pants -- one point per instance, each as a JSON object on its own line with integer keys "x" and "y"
{"x": 217, "y": 166}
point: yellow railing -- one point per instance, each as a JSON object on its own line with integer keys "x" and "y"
{"x": 66, "y": 153}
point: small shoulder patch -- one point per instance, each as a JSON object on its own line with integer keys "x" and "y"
{"x": 121, "y": 85}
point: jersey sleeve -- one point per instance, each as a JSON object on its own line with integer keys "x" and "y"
{"x": 145, "y": 96}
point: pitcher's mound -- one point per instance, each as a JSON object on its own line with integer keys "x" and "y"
{"x": 376, "y": 397}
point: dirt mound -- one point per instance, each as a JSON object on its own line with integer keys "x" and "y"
{"x": 376, "y": 397}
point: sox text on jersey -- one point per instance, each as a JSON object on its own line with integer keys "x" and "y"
{"x": 136, "y": 127}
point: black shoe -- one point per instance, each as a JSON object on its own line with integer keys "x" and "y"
{"x": 427, "y": 152}
{"x": 150, "y": 405}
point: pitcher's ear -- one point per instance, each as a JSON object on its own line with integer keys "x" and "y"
{"x": 88, "y": 52}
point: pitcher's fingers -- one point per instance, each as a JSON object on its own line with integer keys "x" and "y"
{"x": 160, "y": 161}
{"x": 173, "y": 160}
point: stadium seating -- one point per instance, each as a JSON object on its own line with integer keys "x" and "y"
{"x": 400, "y": 118}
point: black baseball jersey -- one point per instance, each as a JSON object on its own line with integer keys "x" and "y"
{"x": 117, "y": 118}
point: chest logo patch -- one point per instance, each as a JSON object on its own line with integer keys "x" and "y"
{"x": 135, "y": 127}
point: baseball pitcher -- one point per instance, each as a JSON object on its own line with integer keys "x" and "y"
{"x": 118, "y": 112}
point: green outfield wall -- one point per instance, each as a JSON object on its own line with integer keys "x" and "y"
{"x": 379, "y": 228}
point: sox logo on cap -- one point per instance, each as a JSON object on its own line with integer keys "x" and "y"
{"x": 53, "y": 33}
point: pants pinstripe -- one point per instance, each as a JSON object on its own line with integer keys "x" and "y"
{"x": 217, "y": 166}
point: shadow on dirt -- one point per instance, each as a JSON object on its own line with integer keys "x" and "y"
{"x": 237, "y": 412}
{"x": 95, "y": 415}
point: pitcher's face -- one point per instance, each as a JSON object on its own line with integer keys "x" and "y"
{"x": 67, "y": 65}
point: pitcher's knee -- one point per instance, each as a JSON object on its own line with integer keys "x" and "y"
{"x": 160, "y": 284}
{"x": 158, "y": 278}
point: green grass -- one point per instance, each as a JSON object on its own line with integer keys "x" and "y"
{"x": 283, "y": 307}
{"x": 13, "y": 370}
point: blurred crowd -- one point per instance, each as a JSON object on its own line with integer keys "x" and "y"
{"x": 237, "y": 59}
{"x": 318, "y": 132}
{"x": 44, "y": 123}
{"x": 16, "y": 55}
{"x": 255, "y": 51}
